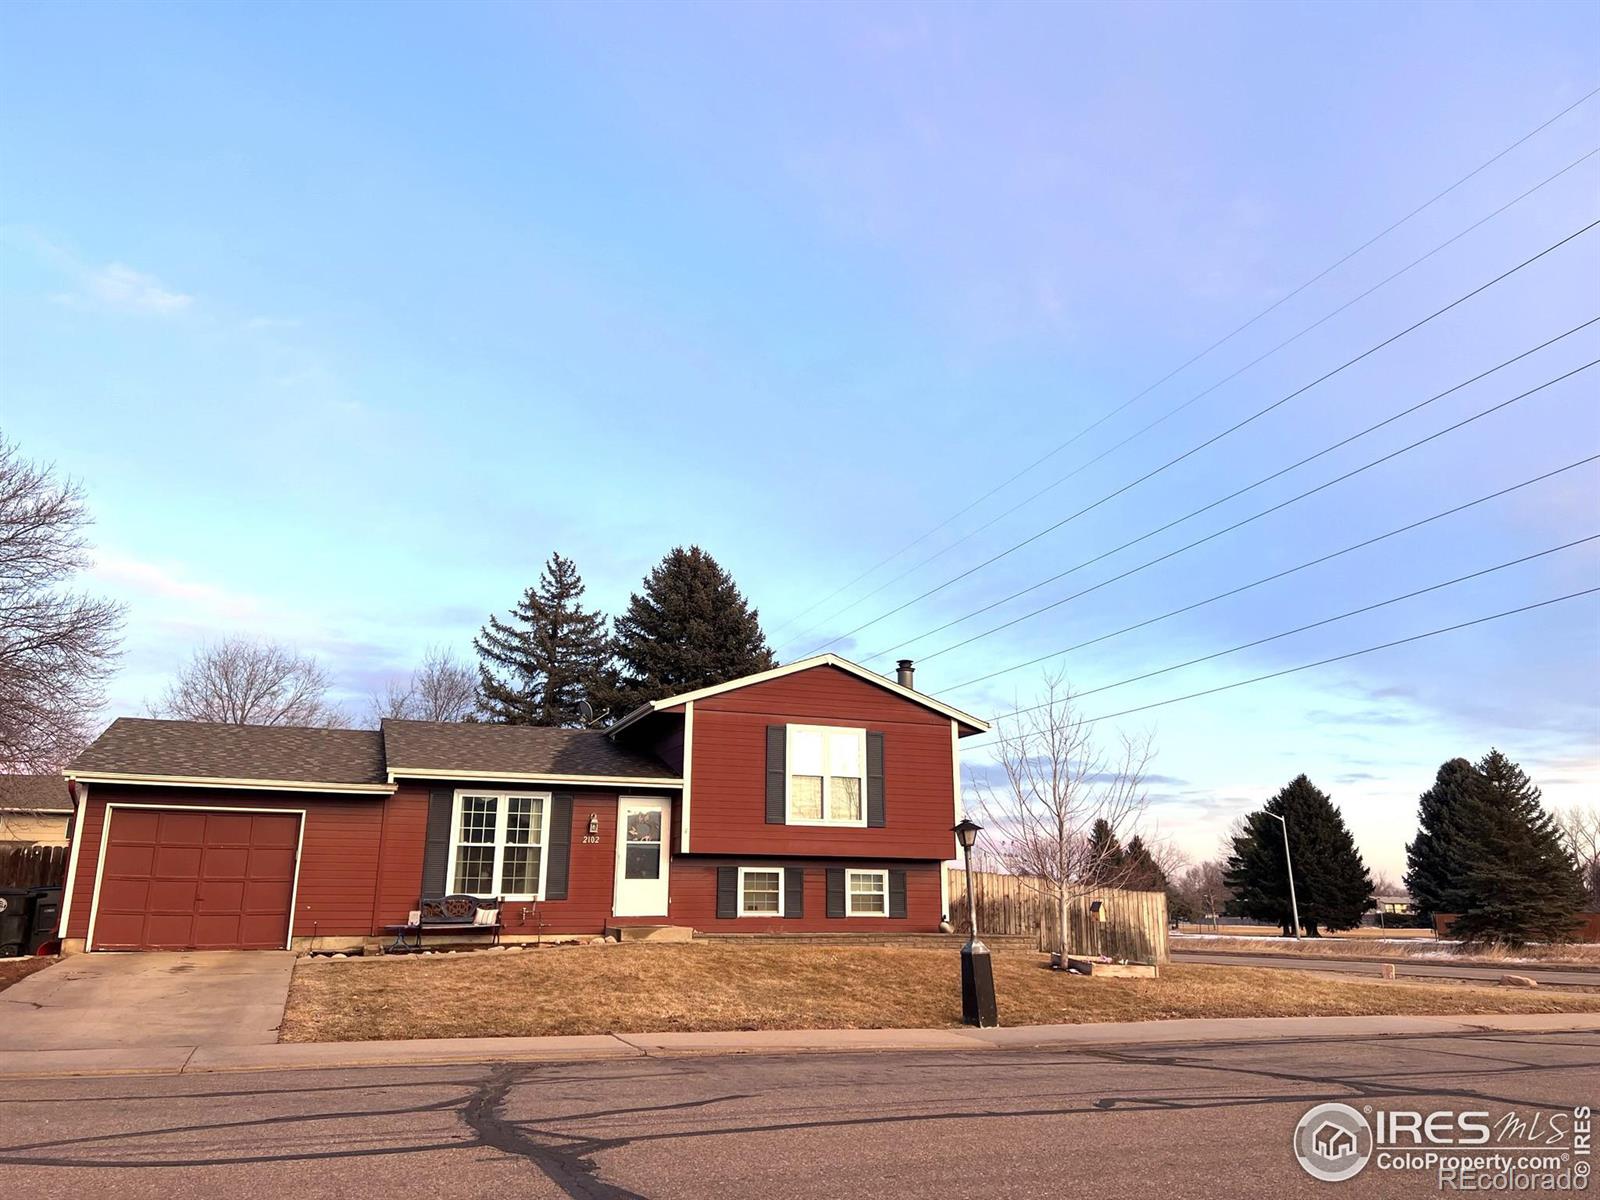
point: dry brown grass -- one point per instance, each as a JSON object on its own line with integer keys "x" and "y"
{"x": 643, "y": 988}
{"x": 13, "y": 970}
{"x": 1569, "y": 953}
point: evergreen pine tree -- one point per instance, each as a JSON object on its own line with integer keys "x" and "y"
{"x": 690, "y": 628}
{"x": 1140, "y": 871}
{"x": 1518, "y": 879}
{"x": 547, "y": 656}
{"x": 1434, "y": 862}
{"x": 1103, "y": 855}
{"x": 1332, "y": 886}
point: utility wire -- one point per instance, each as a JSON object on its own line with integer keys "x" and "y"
{"x": 1318, "y": 277}
{"x": 1266, "y": 511}
{"x": 1361, "y": 545}
{"x": 1322, "y": 662}
{"x": 1033, "y": 587}
{"x": 1170, "y": 413}
{"x": 1212, "y": 440}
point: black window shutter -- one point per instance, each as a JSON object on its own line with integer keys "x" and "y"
{"x": 727, "y": 892}
{"x": 436, "y": 842}
{"x": 875, "y": 780}
{"x": 897, "y": 893}
{"x": 836, "y": 891}
{"x": 794, "y": 891}
{"x": 558, "y": 864}
{"x": 777, "y": 772}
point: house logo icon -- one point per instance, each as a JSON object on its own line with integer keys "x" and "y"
{"x": 1333, "y": 1142}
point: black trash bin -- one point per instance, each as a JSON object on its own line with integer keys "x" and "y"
{"x": 16, "y": 906}
{"x": 46, "y": 917}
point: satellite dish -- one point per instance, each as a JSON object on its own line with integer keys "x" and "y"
{"x": 586, "y": 711}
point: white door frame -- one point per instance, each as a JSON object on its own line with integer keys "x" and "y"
{"x": 105, "y": 840}
{"x": 664, "y": 805}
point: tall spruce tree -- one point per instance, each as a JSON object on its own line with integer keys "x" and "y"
{"x": 1103, "y": 855}
{"x": 1434, "y": 862}
{"x": 1518, "y": 879}
{"x": 549, "y": 655}
{"x": 690, "y": 628}
{"x": 1140, "y": 871}
{"x": 1332, "y": 887}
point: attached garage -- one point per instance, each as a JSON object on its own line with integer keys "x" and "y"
{"x": 195, "y": 879}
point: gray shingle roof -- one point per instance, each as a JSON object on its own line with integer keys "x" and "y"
{"x": 203, "y": 749}
{"x": 34, "y": 793}
{"x": 514, "y": 749}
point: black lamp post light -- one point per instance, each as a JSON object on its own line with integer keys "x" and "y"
{"x": 977, "y": 971}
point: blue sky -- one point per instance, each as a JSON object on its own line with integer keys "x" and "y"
{"x": 348, "y": 315}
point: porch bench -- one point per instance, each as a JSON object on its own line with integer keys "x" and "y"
{"x": 455, "y": 914}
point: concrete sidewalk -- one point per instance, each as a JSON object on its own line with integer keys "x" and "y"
{"x": 174, "y": 1060}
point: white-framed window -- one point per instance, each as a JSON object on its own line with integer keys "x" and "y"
{"x": 497, "y": 844}
{"x": 761, "y": 891}
{"x": 827, "y": 775}
{"x": 866, "y": 893}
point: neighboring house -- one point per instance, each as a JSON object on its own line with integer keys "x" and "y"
{"x": 1394, "y": 906}
{"x": 34, "y": 810}
{"x": 814, "y": 797}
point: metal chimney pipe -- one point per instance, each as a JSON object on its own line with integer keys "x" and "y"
{"x": 904, "y": 673}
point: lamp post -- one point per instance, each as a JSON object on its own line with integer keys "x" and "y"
{"x": 977, "y": 972}
{"x": 1288, "y": 866}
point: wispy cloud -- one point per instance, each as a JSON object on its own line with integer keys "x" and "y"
{"x": 121, "y": 288}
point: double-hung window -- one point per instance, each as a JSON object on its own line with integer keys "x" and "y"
{"x": 497, "y": 844}
{"x": 827, "y": 775}
{"x": 761, "y": 891}
{"x": 866, "y": 894}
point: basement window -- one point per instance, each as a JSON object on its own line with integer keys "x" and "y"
{"x": 497, "y": 844}
{"x": 760, "y": 892}
{"x": 866, "y": 894}
{"x": 827, "y": 775}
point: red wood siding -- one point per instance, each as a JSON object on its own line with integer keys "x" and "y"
{"x": 727, "y": 809}
{"x": 694, "y": 898}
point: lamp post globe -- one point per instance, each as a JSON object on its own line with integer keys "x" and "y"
{"x": 977, "y": 972}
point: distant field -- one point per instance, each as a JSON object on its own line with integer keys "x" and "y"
{"x": 1443, "y": 950}
{"x": 1273, "y": 931}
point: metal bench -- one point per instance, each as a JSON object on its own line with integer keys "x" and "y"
{"x": 456, "y": 914}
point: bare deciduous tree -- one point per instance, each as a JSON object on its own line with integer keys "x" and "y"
{"x": 1580, "y": 827}
{"x": 1059, "y": 782}
{"x": 56, "y": 645}
{"x": 441, "y": 689}
{"x": 243, "y": 681}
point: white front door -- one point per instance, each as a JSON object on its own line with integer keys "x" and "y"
{"x": 642, "y": 825}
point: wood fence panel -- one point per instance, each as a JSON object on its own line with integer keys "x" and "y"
{"x": 33, "y": 866}
{"x": 1135, "y": 925}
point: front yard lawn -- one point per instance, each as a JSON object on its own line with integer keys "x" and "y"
{"x": 642, "y": 988}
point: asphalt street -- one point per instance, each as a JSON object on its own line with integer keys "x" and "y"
{"x": 1549, "y": 976}
{"x": 1169, "y": 1121}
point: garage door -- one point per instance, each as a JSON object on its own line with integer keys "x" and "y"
{"x": 192, "y": 879}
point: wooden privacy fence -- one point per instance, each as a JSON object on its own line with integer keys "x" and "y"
{"x": 1135, "y": 925}
{"x": 33, "y": 866}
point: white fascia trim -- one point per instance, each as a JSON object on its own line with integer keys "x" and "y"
{"x": 267, "y": 785}
{"x": 398, "y": 773}
{"x": 804, "y": 664}
{"x": 688, "y": 774}
{"x": 105, "y": 840}
{"x": 76, "y": 852}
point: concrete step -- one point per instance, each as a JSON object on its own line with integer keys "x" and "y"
{"x": 650, "y": 933}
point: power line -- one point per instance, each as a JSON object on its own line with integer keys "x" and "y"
{"x": 1318, "y": 277}
{"x": 1361, "y": 545}
{"x": 1264, "y": 512}
{"x": 1322, "y": 662}
{"x": 1198, "y": 396}
{"x": 1257, "y": 415}
{"x": 1033, "y": 587}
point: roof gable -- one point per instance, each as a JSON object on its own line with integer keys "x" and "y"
{"x": 970, "y": 724}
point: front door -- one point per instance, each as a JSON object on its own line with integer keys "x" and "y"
{"x": 641, "y": 857}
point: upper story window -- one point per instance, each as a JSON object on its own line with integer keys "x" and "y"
{"x": 497, "y": 844}
{"x": 827, "y": 775}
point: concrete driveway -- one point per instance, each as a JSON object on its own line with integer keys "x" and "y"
{"x": 196, "y": 998}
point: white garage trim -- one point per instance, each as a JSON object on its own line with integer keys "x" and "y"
{"x": 105, "y": 840}
{"x": 74, "y": 853}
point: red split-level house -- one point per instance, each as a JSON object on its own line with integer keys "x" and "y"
{"x": 817, "y": 797}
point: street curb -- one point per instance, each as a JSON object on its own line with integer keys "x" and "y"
{"x": 296, "y": 1056}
